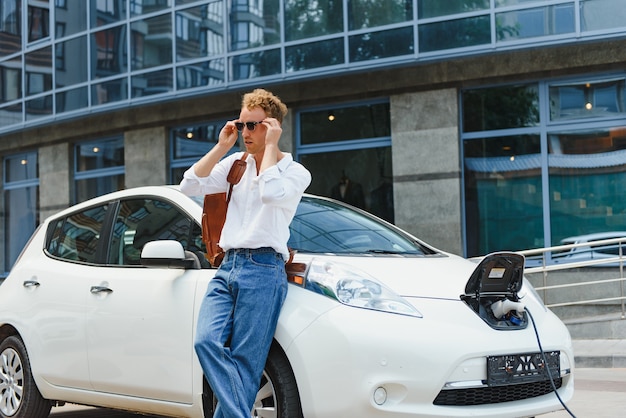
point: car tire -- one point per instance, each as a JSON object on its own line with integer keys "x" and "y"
{"x": 278, "y": 391}
{"x": 15, "y": 377}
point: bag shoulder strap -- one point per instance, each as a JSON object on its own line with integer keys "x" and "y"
{"x": 235, "y": 174}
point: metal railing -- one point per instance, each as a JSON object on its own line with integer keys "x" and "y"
{"x": 581, "y": 257}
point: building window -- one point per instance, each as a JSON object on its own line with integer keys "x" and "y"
{"x": 348, "y": 151}
{"x": 364, "y": 14}
{"x": 601, "y": 15}
{"x": 303, "y": 21}
{"x": 253, "y": 23}
{"x": 20, "y": 203}
{"x": 109, "y": 52}
{"x": 451, "y": 34}
{"x": 536, "y": 22}
{"x": 602, "y": 98}
{"x": 10, "y": 81}
{"x": 99, "y": 168}
{"x": 38, "y": 21}
{"x": 535, "y": 181}
{"x": 200, "y": 31}
{"x": 190, "y": 142}
{"x": 10, "y": 17}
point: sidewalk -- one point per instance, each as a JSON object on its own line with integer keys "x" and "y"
{"x": 598, "y": 393}
{"x": 600, "y": 353}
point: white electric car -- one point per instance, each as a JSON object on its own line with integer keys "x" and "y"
{"x": 100, "y": 309}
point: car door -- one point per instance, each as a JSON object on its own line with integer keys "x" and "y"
{"x": 57, "y": 283}
{"x": 140, "y": 327}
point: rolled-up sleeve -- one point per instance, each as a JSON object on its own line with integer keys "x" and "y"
{"x": 283, "y": 184}
{"x": 192, "y": 185}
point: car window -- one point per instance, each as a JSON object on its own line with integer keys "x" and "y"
{"x": 322, "y": 226}
{"x": 139, "y": 221}
{"x": 76, "y": 237}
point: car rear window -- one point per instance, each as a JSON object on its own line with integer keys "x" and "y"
{"x": 76, "y": 237}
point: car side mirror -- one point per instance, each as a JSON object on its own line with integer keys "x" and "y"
{"x": 168, "y": 254}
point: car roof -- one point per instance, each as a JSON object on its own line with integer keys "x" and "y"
{"x": 167, "y": 190}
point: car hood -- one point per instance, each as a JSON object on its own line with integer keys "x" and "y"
{"x": 441, "y": 276}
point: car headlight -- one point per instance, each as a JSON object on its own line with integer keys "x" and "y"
{"x": 356, "y": 288}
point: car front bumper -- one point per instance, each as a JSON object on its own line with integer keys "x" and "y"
{"x": 357, "y": 362}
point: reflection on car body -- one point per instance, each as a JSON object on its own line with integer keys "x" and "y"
{"x": 101, "y": 306}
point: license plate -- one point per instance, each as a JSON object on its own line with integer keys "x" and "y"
{"x": 522, "y": 368}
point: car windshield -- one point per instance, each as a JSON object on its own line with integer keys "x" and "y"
{"x": 323, "y": 226}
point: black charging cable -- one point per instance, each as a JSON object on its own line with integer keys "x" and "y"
{"x": 545, "y": 361}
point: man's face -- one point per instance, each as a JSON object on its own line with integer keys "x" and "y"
{"x": 254, "y": 140}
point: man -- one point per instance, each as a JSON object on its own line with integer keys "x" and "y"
{"x": 240, "y": 310}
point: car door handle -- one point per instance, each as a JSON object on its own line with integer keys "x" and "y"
{"x": 100, "y": 289}
{"x": 31, "y": 283}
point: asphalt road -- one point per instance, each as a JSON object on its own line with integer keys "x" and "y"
{"x": 599, "y": 393}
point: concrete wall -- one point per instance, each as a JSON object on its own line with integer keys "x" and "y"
{"x": 146, "y": 156}
{"x": 55, "y": 166}
{"x": 426, "y": 165}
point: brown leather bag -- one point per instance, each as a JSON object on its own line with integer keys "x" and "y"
{"x": 214, "y": 213}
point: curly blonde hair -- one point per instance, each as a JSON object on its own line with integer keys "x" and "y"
{"x": 271, "y": 104}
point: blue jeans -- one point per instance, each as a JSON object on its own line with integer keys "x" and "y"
{"x": 236, "y": 326}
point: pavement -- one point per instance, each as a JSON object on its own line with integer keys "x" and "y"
{"x": 598, "y": 393}
{"x": 600, "y": 353}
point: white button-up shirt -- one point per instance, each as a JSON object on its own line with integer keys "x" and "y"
{"x": 261, "y": 207}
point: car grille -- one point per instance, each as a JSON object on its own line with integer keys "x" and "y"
{"x": 496, "y": 394}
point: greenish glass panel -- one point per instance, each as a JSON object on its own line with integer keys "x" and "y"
{"x": 503, "y": 194}
{"x": 506, "y": 107}
{"x": 364, "y": 14}
{"x": 314, "y": 55}
{"x": 434, "y": 8}
{"x": 587, "y": 178}
{"x": 307, "y": 19}
{"x": 384, "y": 44}
{"x": 459, "y": 33}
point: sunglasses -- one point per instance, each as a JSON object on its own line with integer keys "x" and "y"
{"x": 249, "y": 125}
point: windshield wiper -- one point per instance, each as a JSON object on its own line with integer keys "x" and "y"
{"x": 386, "y": 252}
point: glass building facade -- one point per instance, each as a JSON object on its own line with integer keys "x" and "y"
{"x": 59, "y": 58}
{"x": 544, "y": 162}
{"x": 540, "y": 151}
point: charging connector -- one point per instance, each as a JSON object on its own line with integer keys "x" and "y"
{"x": 502, "y": 307}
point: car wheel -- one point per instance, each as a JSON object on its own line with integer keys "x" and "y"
{"x": 278, "y": 393}
{"x": 19, "y": 396}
